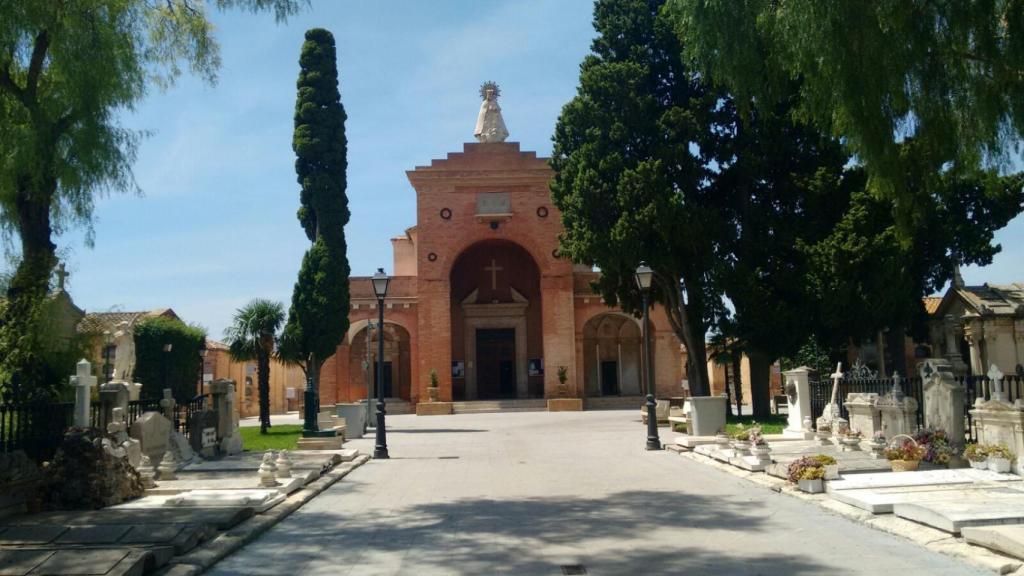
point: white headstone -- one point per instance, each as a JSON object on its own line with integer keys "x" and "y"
{"x": 83, "y": 381}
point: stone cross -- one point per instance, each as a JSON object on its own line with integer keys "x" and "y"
{"x": 836, "y": 377}
{"x": 997, "y": 384}
{"x": 83, "y": 381}
{"x": 62, "y": 275}
{"x": 117, "y": 427}
{"x": 168, "y": 404}
{"x": 494, "y": 269}
{"x": 897, "y": 390}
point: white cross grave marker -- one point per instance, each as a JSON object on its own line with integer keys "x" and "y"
{"x": 83, "y": 381}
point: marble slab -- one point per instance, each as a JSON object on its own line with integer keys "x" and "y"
{"x": 750, "y": 463}
{"x": 260, "y": 500}
{"x": 919, "y": 478}
{"x": 1008, "y": 539}
{"x": 218, "y": 518}
{"x": 952, "y": 516}
{"x": 235, "y": 482}
{"x": 881, "y": 500}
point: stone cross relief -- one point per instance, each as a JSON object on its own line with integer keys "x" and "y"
{"x": 836, "y": 377}
{"x": 996, "y": 376}
{"x": 494, "y": 269}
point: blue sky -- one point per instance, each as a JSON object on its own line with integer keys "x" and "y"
{"x": 216, "y": 225}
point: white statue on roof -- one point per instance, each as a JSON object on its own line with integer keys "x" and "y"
{"x": 490, "y": 126}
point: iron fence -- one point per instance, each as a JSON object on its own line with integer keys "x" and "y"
{"x": 821, "y": 394}
{"x": 35, "y": 427}
{"x": 975, "y": 387}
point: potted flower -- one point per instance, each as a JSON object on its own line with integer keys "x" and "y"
{"x": 563, "y": 375}
{"x": 811, "y": 480}
{"x": 999, "y": 458}
{"x": 432, "y": 394}
{"x": 741, "y": 440}
{"x": 797, "y": 467}
{"x": 877, "y": 445}
{"x": 824, "y": 433}
{"x": 829, "y": 464}
{"x": 935, "y": 443}
{"x": 905, "y": 455}
{"x": 977, "y": 455}
{"x": 758, "y": 444}
{"x": 851, "y": 440}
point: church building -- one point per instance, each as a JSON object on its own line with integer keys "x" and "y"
{"x": 480, "y": 296}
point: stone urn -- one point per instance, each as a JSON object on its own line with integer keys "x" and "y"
{"x": 432, "y": 394}
{"x": 741, "y": 447}
{"x": 722, "y": 441}
{"x": 877, "y": 447}
{"x": 761, "y": 451}
{"x": 823, "y": 436}
{"x": 850, "y": 442}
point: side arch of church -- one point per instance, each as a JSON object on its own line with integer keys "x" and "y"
{"x": 611, "y": 355}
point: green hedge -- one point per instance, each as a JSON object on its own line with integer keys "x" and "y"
{"x": 182, "y": 363}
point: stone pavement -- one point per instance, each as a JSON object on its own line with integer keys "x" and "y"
{"x": 529, "y": 493}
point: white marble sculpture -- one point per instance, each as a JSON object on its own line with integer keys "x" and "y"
{"x": 490, "y": 126}
{"x": 124, "y": 354}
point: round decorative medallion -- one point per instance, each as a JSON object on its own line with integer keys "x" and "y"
{"x": 432, "y": 257}
{"x": 542, "y": 211}
{"x": 446, "y": 213}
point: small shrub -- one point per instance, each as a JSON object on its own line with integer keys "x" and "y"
{"x": 999, "y": 451}
{"x": 976, "y": 452}
{"x": 824, "y": 459}
{"x": 905, "y": 451}
{"x": 799, "y": 466}
{"x": 812, "y": 473}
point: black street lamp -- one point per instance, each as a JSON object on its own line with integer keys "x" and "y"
{"x": 644, "y": 275}
{"x": 380, "y": 289}
{"x": 108, "y": 347}
{"x": 202, "y": 366}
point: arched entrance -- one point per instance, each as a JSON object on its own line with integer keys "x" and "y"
{"x": 611, "y": 356}
{"x": 397, "y": 361}
{"x": 497, "y": 350}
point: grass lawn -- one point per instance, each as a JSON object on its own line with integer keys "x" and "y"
{"x": 770, "y": 425}
{"x": 278, "y": 437}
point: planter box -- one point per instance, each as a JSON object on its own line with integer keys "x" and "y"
{"x": 983, "y": 465}
{"x": 565, "y": 404}
{"x": 815, "y": 486}
{"x": 355, "y": 418}
{"x": 1001, "y": 465}
{"x": 433, "y": 408}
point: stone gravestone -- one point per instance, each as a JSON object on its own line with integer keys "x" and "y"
{"x": 943, "y": 399}
{"x": 999, "y": 422}
{"x": 153, "y": 431}
{"x": 225, "y": 404}
{"x": 864, "y": 414}
{"x": 203, "y": 433}
{"x": 83, "y": 381}
{"x": 112, "y": 395}
{"x": 179, "y": 444}
{"x": 129, "y": 447}
{"x": 898, "y": 412}
{"x": 798, "y": 402}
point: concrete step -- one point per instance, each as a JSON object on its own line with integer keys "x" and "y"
{"x": 488, "y": 406}
{"x": 613, "y": 402}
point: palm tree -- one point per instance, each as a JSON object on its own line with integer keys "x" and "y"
{"x": 252, "y": 337}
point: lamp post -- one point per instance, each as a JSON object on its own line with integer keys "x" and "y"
{"x": 108, "y": 342}
{"x": 202, "y": 366}
{"x": 644, "y": 275}
{"x": 380, "y": 289}
{"x": 163, "y": 364}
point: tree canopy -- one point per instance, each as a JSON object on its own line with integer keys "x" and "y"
{"x": 67, "y": 71}
{"x": 947, "y": 74}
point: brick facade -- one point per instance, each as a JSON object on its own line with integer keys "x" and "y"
{"x": 481, "y": 260}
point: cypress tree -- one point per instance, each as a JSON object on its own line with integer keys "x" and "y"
{"x": 318, "y": 317}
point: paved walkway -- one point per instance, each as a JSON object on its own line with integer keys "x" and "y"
{"x": 529, "y": 493}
